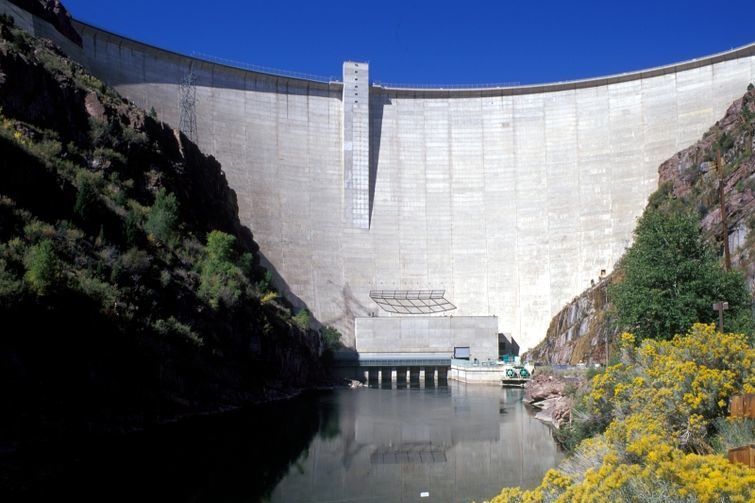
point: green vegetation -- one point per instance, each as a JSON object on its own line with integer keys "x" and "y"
{"x": 671, "y": 278}
{"x": 41, "y": 267}
{"x": 223, "y": 277}
{"x": 302, "y": 319}
{"x": 657, "y": 427}
{"x": 86, "y": 198}
{"x": 162, "y": 220}
{"x": 127, "y": 238}
{"x": 331, "y": 337}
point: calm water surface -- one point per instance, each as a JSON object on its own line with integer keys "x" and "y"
{"x": 457, "y": 444}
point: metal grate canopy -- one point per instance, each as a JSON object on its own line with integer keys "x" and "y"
{"x": 412, "y": 301}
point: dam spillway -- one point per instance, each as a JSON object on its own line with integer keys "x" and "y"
{"x": 509, "y": 199}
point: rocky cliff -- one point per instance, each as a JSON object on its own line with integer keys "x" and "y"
{"x": 582, "y": 332}
{"x": 130, "y": 293}
{"x": 54, "y": 13}
{"x": 578, "y": 333}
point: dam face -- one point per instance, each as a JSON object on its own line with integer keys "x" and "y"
{"x": 509, "y": 199}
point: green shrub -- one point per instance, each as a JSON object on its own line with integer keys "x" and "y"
{"x": 133, "y": 264}
{"x": 221, "y": 279}
{"x": 132, "y": 226}
{"x": 104, "y": 293}
{"x": 120, "y": 198}
{"x": 97, "y": 129}
{"x": 302, "y": 319}
{"x": 671, "y": 278}
{"x": 86, "y": 198}
{"x": 171, "y": 327}
{"x": 162, "y": 220}
{"x": 263, "y": 285}
{"x": 108, "y": 155}
{"x": 133, "y": 137}
{"x": 41, "y": 267}
{"x": 37, "y": 230}
{"x": 733, "y": 432}
{"x": 10, "y": 285}
{"x": 331, "y": 337}
{"x": 47, "y": 149}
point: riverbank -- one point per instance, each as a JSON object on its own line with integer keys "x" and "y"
{"x": 553, "y": 395}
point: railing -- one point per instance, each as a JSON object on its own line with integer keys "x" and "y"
{"x": 408, "y": 362}
{"x": 412, "y": 301}
{"x": 491, "y": 364}
{"x": 407, "y": 294}
{"x": 495, "y": 85}
{"x": 264, "y": 69}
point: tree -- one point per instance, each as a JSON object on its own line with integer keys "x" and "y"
{"x": 86, "y": 198}
{"x": 672, "y": 278}
{"x": 162, "y": 220}
{"x": 222, "y": 279}
{"x": 41, "y": 267}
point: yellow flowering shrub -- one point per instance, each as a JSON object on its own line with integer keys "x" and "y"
{"x": 662, "y": 402}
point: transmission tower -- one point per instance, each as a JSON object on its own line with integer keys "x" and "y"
{"x": 188, "y": 101}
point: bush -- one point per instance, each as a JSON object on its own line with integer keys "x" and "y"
{"x": 671, "y": 279}
{"x": 132, "y": 227}
{"x": 162, "y": 221}
{"x": 132, "y": 265}
{"x": 733, "y": 432}
{"x": 263, "y": 285}
{"x": 86, "y": 198}
{"x": 268, "y": 297}
{"x": 171, "y": 327}
{"x": 133, "y": 137}
{"x": 661, "y": 401}
{"x": 104, "y": 293}
{"x": 221, "y": 279}
{"x": 331, "y": 337}
{"x": 41, "y": 267}
{"x": 302, "y": 319}
{"x": 10, "y": 285}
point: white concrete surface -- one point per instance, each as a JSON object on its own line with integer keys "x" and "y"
{"x": 510, "y": 199}
{"x": 428, "y": 334}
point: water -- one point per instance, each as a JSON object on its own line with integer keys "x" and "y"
{"x": 457, "y": 444}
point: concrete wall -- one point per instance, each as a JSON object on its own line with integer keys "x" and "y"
{"x": 428, "y": 334}
{"x": 510, "y": 199}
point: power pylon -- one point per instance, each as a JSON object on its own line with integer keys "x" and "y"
{"x": 187, "y": 92}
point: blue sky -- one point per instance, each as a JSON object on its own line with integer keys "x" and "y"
{"x": 436, "y": 42}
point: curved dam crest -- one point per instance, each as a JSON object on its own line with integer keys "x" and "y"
{"x": 509, "y": 199}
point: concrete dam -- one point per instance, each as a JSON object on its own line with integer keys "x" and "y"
{"x": 507, "y": 200}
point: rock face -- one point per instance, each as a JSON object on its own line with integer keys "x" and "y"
{"x": 53, "y": 12}
{"x": 691, "y": 176}
{"x": 121, "y": 338}
{"x": 548, "y": 393}
{"x": 578, "y": 333}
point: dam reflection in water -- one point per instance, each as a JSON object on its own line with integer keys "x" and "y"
{"x": 457, "y": 443}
